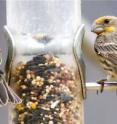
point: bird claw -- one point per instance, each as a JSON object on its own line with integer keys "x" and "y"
{"x": 101, "y": 82}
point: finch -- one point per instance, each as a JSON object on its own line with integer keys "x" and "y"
{"x": 105, "y": 46}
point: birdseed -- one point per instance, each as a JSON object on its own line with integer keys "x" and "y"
{"x": 49, "y": 92}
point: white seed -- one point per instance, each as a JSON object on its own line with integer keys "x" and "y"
{"x": 54, "y": 104}
{"x": 50, "y": 122}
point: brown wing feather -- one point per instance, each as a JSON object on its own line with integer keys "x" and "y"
{"x": 106, "y": 46}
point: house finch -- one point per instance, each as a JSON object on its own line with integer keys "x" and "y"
{"x": 106, "y": 46}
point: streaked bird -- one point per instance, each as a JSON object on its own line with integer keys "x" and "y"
{"x": 106, "y": 46}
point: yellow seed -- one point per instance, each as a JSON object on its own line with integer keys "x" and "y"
{"x": 32, "y": 105}
{"x": 20, "y": 107}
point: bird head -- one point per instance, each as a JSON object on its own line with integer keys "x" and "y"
{"x": 104, "y": 24}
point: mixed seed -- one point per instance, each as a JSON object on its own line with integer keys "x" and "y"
{"x": 49, "y": 92}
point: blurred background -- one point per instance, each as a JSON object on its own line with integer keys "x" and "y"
{"x": 98, "y": 109}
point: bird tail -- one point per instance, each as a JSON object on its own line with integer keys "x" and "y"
{"x": 6, "y": 93}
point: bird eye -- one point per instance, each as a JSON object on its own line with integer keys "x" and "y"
{"x": 106, "y": 21}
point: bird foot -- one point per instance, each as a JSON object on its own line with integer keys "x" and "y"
{"x": 101, "y": 82}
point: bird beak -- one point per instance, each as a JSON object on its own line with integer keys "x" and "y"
{"x": 97, "y": 28}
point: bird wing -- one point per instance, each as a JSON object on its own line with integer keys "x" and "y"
{"x": 13, "y": 97}
{"x": 3, "y": 94}
{"x": 6, "y": 93}
{"x": 107, "y": 48}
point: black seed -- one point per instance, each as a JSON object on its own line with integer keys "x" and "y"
{"x": 49, "y": 98}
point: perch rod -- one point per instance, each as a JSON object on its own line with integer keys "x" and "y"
{"x": 92, "y": 86}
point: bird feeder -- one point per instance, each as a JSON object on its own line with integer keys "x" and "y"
{"x": 45, "y": 64}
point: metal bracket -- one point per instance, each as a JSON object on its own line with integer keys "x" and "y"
{"x": 77, "y": 50}
{"x": 11, "y": 44}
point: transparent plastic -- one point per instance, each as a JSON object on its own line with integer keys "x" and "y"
{"x": 43, "y": 70}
